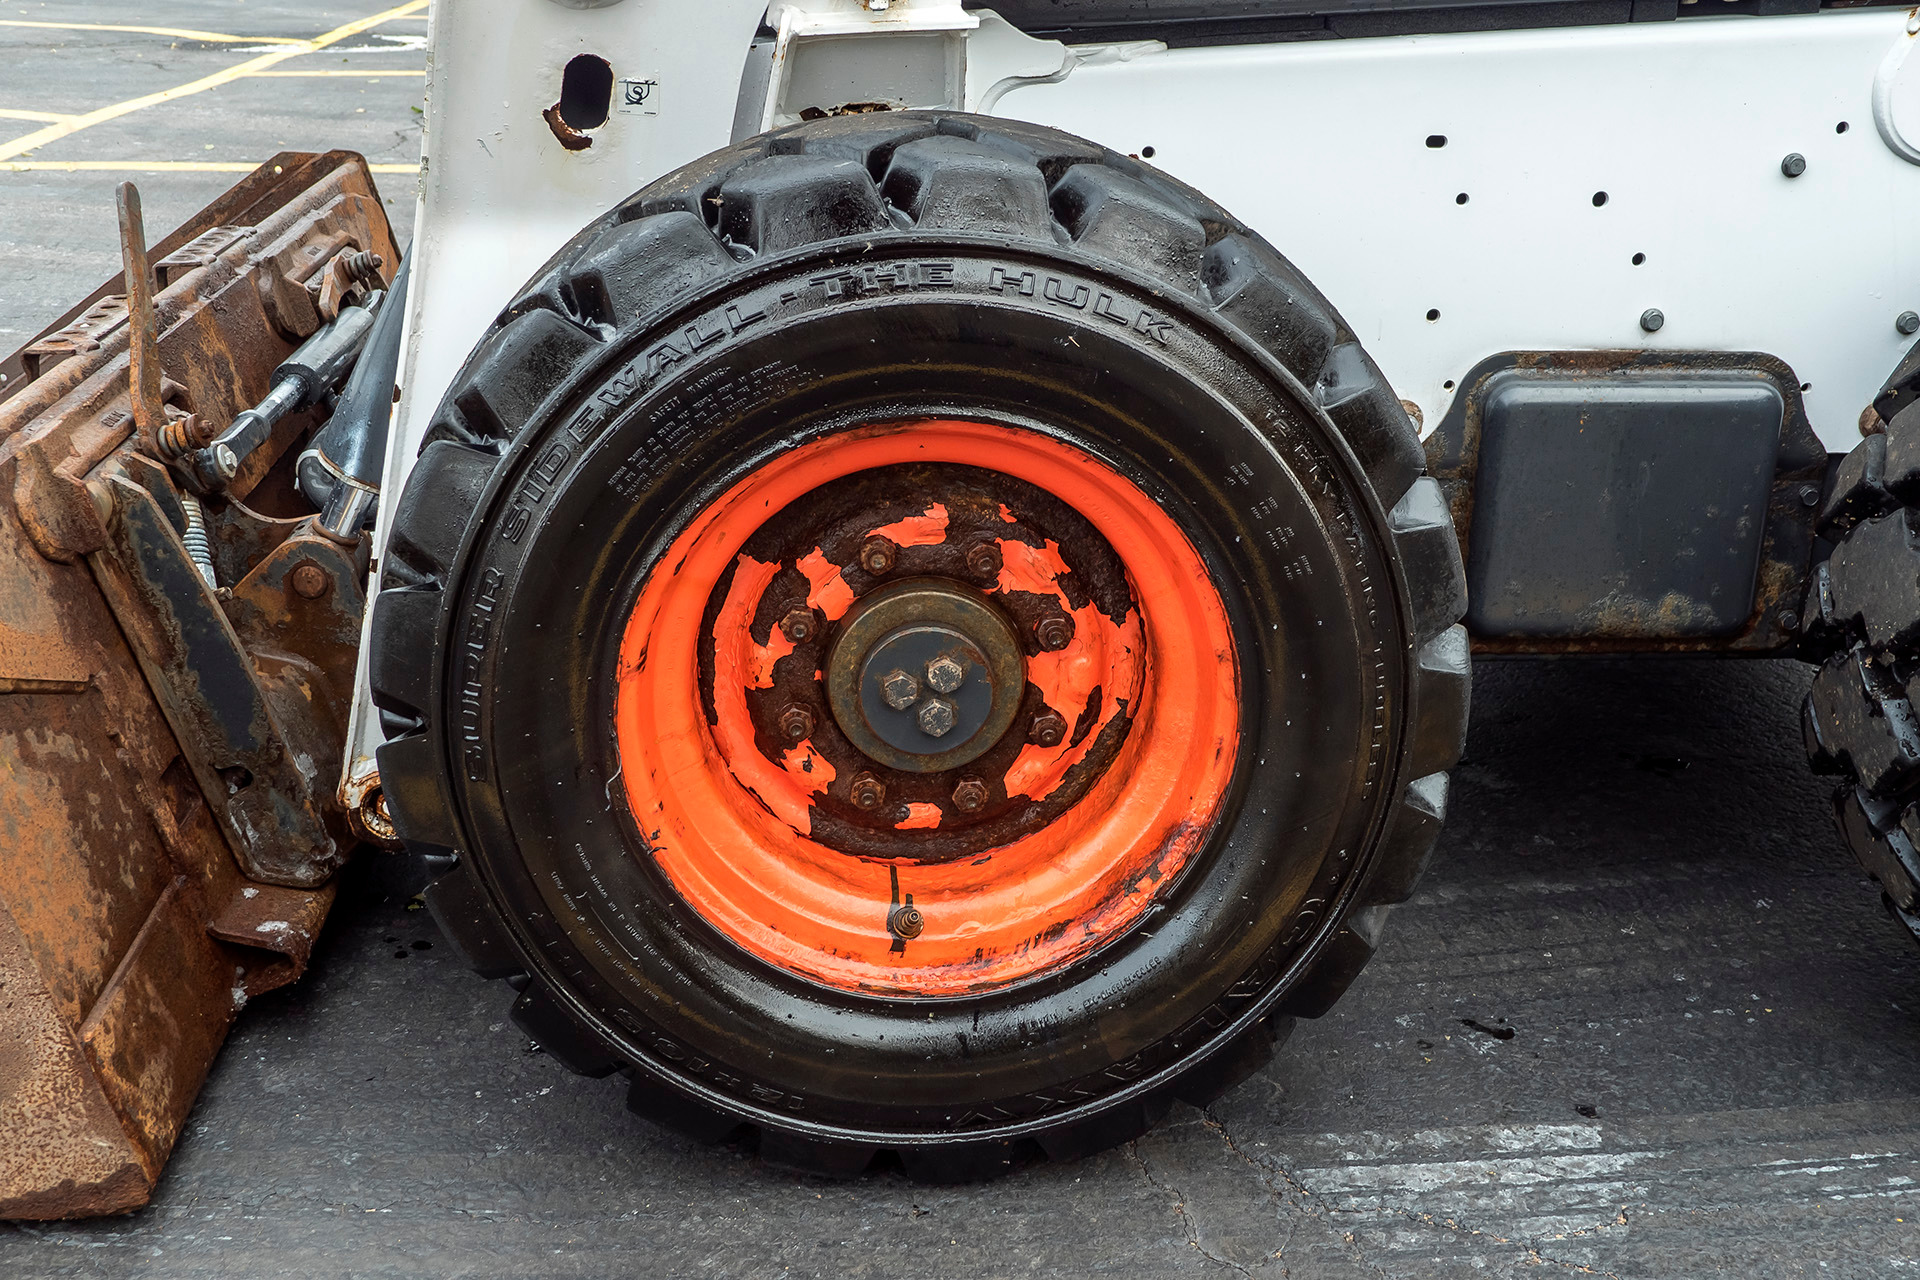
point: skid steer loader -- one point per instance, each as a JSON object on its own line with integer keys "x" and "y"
{"x": 901, "y": 615}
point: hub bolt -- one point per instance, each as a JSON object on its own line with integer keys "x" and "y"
{"x": 970, "y": 795}
{"x": 797, "y": 626}
{"x": 936, "y": 717}
{"x": 796, "y": 722}
{"x": 906, "y": 922}
{"x": 1054, "y": 632}
{"x": 984, "y": 560}
{"x": 876, "y": 556}
{"x": 867, "y": 792}
{"x": 945, "y": 674}
{"x": 309, "y": 581}
{"x": 1049, "y": 729}
{"x": 899, "y": 689}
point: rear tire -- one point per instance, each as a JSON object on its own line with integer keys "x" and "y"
{"x": 1863, "y": 616}
{"x": 887, "y": 281}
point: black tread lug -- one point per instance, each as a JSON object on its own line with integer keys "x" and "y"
{"x": 443, "y": 490}
{"x": 400, "y": 647}
{"x": 410, "y": 774}
{"x": 459, "y": 906}
{"x": 1406, "y": 849}
{"x": 1442, "y": 700}
{"x": 867, "y": 140}
{"x": 1346, "y": 955}
{"x": 1874, "y": 581}
{"x": 1109, "y": 1129}
{"x": 1901, "y": 474}
{"x": 1859, "y": 489}
{"x": 1054, "y": 154}
{"x": 1358, "y": 399}
{"x": 1234, "y": 1063}
{"x": 1422, "y": 527}
{"x": 1821, "y": 757}
{"x": 1260, "y": 294}
{"x": 638, "y": 267}
{"x": 1877, "y": 740}
{"x": 549, "y": 1024}
{"x": 670, "y": 1109}
{"x": 805, "y": 1155}
{"x": 782, "y": 202}
{"x": 517, "y": 368}
{"x": 1116, "y": 215}
{"x": 948, "y": 183}
{"x": 1876, "y": 849}
{"x": 1901, "y": 388}
{"x": 692, "y": 188}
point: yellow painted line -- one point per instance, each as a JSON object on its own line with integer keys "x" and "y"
{"x": 349, "y": 75}
{"x": 60, "y": 129}
{"x": 160, "y": 166}
{"x": 8, "y": 113}
{"x": 180, "y": 33}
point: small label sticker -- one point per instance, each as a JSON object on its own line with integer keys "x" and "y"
{"x": 638, "y": 97}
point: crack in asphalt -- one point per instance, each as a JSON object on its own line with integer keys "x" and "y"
{"x": 1302, "y": 1200}
{"x": 1180, "y": 1209}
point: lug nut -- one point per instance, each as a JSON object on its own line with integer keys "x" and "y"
{"x": 1054, "y": 632}
{"x": 797, "y": 626}
{"x": 936, "y": 717}
{"x": 984, "y": 560}
{"x": 1049, "y": 729}
{"x": 867, "y": 792}
{"x": 906, "y": 922}
{"x": 876, "y": 556}
{"x": 970, "y": 795}
{"x": 796, "y": 722}
{"x": 945, "y": 675}
{"x": 899, "y": 689}
{"x": 309, "y": 581}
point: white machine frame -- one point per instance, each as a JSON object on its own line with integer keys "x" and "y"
{"x": 1456, "y": 196}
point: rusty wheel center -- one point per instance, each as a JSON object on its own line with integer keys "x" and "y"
{"x": 925, "y": 675}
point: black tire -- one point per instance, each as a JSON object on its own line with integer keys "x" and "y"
{"x": 879, "y": 248}
{"x": 1863, "y": 623}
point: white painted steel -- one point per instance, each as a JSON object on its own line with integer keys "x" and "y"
{"x": 1320, "y": 146}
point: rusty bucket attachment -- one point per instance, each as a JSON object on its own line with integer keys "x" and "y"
{"x": 176, "y": 670}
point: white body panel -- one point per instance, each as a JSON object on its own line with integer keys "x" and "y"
{"x": 1320, "y": 146}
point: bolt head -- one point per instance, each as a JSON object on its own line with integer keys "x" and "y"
{"x": 797, "y": 626}
{"x": 970, "y": 795}
{"x": 309, "y": 581}
{"x": 899, "y": 689}
{"x": 984, "y": 560}
{"x": 225, "y": 461}
{"x": 1652, "y": 319}
{"x": 945, "y": 675}
{"x": 936, "y": 717}
{"x": 1907, "y": 322}
{"x": 906, "y": 922}
{"x": 796, "y": 723}
{"x": 1054, "y": 632}
{"x": 1049, "y": 729}
{"x": 1794, "y": 164}
{"x": 876, "y": 556}
{"x": 867, "y": 792}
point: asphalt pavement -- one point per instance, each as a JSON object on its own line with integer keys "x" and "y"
{"x": 1644, "y": 1018}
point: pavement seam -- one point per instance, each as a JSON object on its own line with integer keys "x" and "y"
{"x": 1301, "y": 1199}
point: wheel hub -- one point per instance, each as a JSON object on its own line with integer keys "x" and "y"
{"x": 925, "y": 675}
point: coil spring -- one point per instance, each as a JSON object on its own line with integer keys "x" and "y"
{"x": 176, "y": 437}
{"x": 199, "y": 549}
{"x": 364, "y": 267}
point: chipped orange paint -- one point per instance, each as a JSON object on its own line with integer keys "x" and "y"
{"x": 927, "y": 529}
{"x": 811, "y": 769}
{"x": 731, "y": 829}
{"x": 827, "y": 590}
{"x": 919, "y": 816}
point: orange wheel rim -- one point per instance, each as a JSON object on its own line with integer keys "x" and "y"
{"x": 740, "y": 824}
